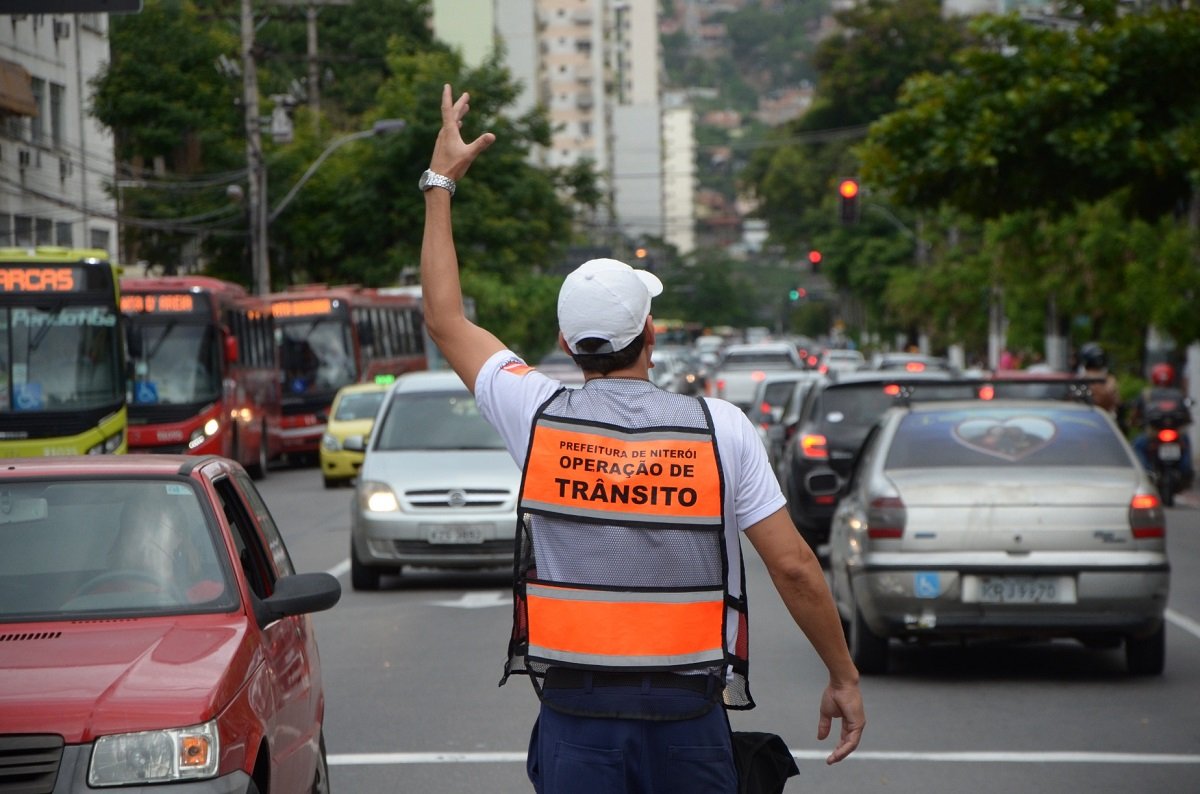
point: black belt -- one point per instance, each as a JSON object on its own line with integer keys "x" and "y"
{"x": 570, "y": 678}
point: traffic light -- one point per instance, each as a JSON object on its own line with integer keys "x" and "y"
{"x": 814, "y": 259}
{"x": 797, "y": 293}
{"x": 848, "y": 193}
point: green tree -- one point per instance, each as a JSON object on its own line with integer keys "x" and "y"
{"x": 1043, "y": 117}
{"x": 176, "y": 127}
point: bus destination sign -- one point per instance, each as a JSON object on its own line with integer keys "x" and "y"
{"x": 161, "y": 303}
{"x": 306, "y": 307}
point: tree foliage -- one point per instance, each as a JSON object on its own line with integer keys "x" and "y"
{"x": 1044, "y": 117}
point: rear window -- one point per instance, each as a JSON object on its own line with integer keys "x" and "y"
{"x": 861, "y": 405}
{"x": 1005, "y": 437}
{"x": 758, "y": 361}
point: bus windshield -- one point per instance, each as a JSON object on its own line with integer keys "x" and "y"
{"x": 174, "y": 363}
{"x": 316, "y": 355}
{"x": 59, "y": 357}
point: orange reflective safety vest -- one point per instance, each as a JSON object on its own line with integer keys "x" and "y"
{"x": 621, "y": 555}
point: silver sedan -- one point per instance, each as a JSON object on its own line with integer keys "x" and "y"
{"x": 1021, "y": 519}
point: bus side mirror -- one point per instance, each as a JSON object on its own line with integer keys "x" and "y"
{"x": 231, "y": 349}
{"x": 133, "y": 340}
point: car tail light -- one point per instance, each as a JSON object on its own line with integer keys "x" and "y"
{"x": 720, "y": 386}
{"x": 886, "y": 517}
{"x": 1168, "y": 435}
{"x": 1146, "y": 517}
{"x": 914, "y": 366}
{"x": 892, "y": 390}
{"x": 758, "y": 375}
{"x": 987, "y": 392}
{"x": 814, "y": 445}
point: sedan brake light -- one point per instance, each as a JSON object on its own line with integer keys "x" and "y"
{"x": 814, "y": 445}
{"x": 1168, "y": 435}
{"x": 886, "y": 517}
{"x": 1146, "y": 517}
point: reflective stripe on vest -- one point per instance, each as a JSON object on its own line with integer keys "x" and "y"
{"x": 627, "y": 629}
{"x": 655, "y": 477}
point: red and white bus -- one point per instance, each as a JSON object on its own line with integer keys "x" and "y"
{"x": 204, "y": 369}
{"x": 331, "y": 336}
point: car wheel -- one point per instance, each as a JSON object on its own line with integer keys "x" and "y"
{"x": 330, "y": 483}
{"x": 361, "y": 576}
{"x": 321, "y": 775}
{"x": 1147, "y": 655}
{"x": 868, "y": 650}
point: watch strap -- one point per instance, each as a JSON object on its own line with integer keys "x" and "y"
{"x": 433, "y": 179}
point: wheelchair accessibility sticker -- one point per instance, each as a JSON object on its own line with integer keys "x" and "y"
{"x": 927, "y": 584}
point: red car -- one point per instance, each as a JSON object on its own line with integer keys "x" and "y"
{"x": 154, "y": 631}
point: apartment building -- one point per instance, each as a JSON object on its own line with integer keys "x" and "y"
{"x": 55, "y": 160}
{"x": 595, "y": 66}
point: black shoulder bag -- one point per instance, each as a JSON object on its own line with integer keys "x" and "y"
{"x": 764, "y": 762}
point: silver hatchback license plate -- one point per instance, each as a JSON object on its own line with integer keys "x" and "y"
{"x": 456, "y": 533}
{"x": 1024, "y": 590}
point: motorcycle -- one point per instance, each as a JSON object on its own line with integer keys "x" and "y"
{"x": 1166, "y": 447}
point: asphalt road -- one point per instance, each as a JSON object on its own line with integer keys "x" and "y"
{"x": 411, "y": 676}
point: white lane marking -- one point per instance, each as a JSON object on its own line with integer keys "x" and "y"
{"x": 493, "y": 598}
{"x": 968, "y": 757}
{"x": 1185, "y": 623}
{"x": 341, "y": 568}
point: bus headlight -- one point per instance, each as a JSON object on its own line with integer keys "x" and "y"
{"x": 202, "y": 434}
{"x": 130, "y": 759}
{"x": 109, "y": 445}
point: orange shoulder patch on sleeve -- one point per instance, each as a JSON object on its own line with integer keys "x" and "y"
{"x": 517, "y": 368}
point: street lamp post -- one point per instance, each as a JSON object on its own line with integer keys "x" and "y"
{"x": 381, "y": 127}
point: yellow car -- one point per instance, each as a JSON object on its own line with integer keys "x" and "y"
{"x": 352, "y": 414}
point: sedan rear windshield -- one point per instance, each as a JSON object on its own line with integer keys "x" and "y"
{"x": 435, "y": 421}
{"x": 759, "y": 361}
{"x": 1029, "y": 436}
{"x": 862, "y": 404}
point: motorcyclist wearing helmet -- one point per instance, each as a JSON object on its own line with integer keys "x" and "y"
{"x": 1093, "y": 363}
{"x": 1162, "y": 402}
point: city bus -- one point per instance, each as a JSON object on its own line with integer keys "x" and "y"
{"x": 330, "y": 336}
{"x": 61, "y": 357}
{"x": 204, "y": 376}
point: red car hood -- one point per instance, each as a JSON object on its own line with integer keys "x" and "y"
{"x": 83, "y": 679}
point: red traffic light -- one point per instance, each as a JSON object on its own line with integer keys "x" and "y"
{"x": 848, "y": 188}
{"x": 814, "y": 256}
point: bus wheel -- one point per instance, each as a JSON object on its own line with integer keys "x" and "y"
{"x": 258, "y": 469}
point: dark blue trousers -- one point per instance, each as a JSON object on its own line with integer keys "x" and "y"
{"x": 571, "y": 754}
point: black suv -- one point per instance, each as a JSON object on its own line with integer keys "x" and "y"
{"x": 832, "y": 422}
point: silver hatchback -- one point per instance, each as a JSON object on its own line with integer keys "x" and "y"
{"x": 1005, "y": 518}
{"x": 437, "y": 487}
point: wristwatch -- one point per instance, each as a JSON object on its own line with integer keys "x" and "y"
{"x": 432, "y": 179}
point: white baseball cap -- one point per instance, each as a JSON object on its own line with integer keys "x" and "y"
{"x": 605, "y": 299}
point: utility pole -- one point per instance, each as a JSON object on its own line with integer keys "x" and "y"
{"x": 314, "y": 65}
{"x": 260, "y": 264}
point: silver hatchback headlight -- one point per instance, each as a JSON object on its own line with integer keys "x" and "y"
{"x": 377, "y": 497}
